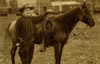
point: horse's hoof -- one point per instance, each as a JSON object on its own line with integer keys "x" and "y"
{"x": 42, "y": 50}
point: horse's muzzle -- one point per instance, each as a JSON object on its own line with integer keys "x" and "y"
{"x": 91, "y": 24}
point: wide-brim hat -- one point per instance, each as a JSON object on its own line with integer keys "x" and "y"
{"x": 24, "y": 7}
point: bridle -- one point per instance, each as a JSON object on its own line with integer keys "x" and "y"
{"x": 85, "y": 16}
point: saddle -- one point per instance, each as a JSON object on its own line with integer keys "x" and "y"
{"x": 48, "y": 30}
{"x": 49, "y": 25}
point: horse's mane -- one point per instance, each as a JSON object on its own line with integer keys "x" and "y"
{"x": 68, "y": 19}
{"x": 71, "y": 13}
{"x": 68, "y": 16}
{"x": 55, "y": 13}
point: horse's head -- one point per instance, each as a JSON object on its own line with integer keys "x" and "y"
{"x": 86, "y": 16}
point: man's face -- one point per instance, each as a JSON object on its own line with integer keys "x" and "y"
{"x": 27, "y": 12}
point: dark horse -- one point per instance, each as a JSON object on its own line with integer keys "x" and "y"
{"x": 58, "y": 35}
{"x": 57, "y": 29}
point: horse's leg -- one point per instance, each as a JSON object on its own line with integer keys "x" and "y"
{"x": 13, "y": 51}
{"x": 58, "y": 47}
{"x": 26, "y": 53}
{"x": 42, "y": 46}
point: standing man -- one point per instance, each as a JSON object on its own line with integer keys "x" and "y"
{"x": 24, "y": 25}
{"x": 25, "y": 29}
{"x": 25, "y": 34}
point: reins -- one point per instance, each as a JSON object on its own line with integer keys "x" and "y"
{"x": 83, "y": 31}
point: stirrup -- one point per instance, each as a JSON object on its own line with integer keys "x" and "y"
{"x": 42, "y": 48}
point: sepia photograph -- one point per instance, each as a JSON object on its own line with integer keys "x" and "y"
{"x": 49, "y": 31}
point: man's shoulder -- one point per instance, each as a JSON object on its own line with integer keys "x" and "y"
{"x": 20, "y": 19}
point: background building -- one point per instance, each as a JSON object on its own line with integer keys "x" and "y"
{"x": 3, "y": 3}
{"x": 12, "y": 6}
{"x": 40, "y": 5}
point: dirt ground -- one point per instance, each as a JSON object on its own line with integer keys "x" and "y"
{"x": 85, "y": 49}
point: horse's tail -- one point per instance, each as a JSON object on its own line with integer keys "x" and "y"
{"x": 10, "y": 31}
{"x": 7, "y": 32}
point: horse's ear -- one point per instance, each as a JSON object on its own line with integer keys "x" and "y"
{"x": 83, "y": 5}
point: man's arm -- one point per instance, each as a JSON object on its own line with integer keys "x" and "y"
{"x": 40, "y": 18}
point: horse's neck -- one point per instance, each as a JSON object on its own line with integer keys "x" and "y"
{"x": 70, "y": 18}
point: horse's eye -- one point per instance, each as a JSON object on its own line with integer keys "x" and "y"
{"x": 86, "y": 11}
